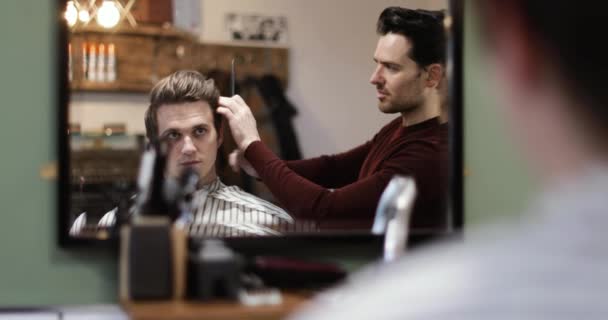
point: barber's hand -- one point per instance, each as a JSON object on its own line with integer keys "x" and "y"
{"x": 240, "y": 119}
{"x": 237, "y": 161}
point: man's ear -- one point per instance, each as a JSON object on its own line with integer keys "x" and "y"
{"x": 434, "y": 75}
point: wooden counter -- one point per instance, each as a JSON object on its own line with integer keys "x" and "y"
{"x": 213, "y": 310}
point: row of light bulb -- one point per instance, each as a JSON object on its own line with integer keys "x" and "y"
{"x": 107, "y": 15}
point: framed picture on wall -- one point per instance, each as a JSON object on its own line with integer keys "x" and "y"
{"x": 255, "y": 27}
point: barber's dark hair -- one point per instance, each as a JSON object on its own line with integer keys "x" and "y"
{"x": 179, "y": 87}
{"x": 569, "y": 33}
{"x": 424, "y": 28}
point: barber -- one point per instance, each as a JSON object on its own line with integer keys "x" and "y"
{"x": 410, "y": 64}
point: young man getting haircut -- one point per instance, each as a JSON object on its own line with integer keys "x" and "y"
{"x": 182, "y": 115}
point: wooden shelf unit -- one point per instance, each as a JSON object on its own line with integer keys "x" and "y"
{"x": 146, "y": 54}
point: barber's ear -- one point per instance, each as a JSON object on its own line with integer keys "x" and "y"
{"x": 434, "y": 75}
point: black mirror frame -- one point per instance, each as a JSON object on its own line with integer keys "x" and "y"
{"x": 456, "y": 192}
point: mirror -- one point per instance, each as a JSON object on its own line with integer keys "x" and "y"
{"x": 310, "y": 56}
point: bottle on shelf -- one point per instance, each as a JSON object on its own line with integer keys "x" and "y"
{"x": 111, "y": 76}
{"x": 70, "y": 72}
{"x": 101, "y": 63}
{"x": 92, "y": 68}
{"x": 85, "y": 61}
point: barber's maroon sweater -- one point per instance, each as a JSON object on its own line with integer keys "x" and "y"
{"x": 358, "y": 177}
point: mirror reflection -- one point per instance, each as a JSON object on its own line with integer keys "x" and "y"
{"x": 154, "y": 126}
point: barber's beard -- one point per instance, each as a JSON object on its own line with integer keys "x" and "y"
{"x": 410, "y": 105}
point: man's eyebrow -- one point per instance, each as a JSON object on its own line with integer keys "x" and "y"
{"x": 168, "y": 130}
{"x": 173, "y": 129}
{"x": 387, "y": 62}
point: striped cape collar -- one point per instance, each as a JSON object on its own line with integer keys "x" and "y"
{"x": 211, "y": 187}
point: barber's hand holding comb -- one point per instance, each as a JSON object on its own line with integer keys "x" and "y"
{"x": 240, "y": 119}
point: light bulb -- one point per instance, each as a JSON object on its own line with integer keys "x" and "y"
{"x": 108, "y": 14}
{"x": 71, "y": 13}
{"x": 83, "y": 15}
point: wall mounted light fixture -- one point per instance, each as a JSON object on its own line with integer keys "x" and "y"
{"x": 108, "y": 13}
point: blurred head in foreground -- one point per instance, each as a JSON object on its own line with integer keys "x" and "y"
{"x": 551, "y": 70}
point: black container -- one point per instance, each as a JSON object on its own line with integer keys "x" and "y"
{"x": 150, "y": 270}
{"x": 212, "y": 276}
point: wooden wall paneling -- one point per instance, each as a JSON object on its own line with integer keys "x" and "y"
{"x": 250, "y": 61}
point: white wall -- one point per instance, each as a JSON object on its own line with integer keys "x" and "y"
{"x": 93, "y": 110}
{"x": 331, "y": 43}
